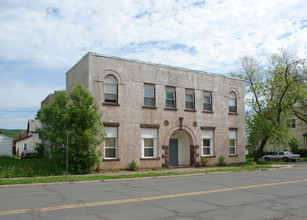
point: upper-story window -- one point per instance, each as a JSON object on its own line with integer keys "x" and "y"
{"x": 110, "y": 89}
{"x": 189, "y": 99}
{"x": 170, "y": 97}
{"x": 291, "y": 123}
{"x": 149, "y": 95}
{"x": 232, "y": 102}
{"x": 207, "y": 101}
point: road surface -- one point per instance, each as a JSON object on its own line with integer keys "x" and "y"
{"x": 263, "y": 194}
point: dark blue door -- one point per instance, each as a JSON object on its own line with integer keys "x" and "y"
{"x": 173, "y": 152}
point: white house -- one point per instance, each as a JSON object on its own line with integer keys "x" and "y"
{"x": 6, "y": 145}
{"x": 29, "y": 142}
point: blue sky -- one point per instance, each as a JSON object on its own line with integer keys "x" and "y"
{"x": 41, "y": 40}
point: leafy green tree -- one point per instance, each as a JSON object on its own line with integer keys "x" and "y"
{"x": 78, "y": 114}
{"x": 274, "y": 91}
{"x": 13, "y": 134}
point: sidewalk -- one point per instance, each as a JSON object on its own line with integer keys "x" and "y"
{"x": 174, "y": 169}
{"x": 123, "y": 175}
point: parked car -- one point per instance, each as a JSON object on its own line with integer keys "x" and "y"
{"x": 282, "y": 155}
{"x": 28, "y": 154}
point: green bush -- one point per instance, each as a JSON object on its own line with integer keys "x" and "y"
{"x": 40, "y": 151}
{"x": 133, "y": 166}
{"x": 294, "y": 144}
{"x": 204, "y": 162}
{"x": 222, "y": 160}
{"x": 302, "y": 152}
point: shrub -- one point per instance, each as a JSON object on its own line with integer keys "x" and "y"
{"x": 133, "y": 166}
{"x": 302, "y": 152}
{"x": 40, "y": 150}
{"x": 204, "y": 161}
{"x": 222, "y": 160}
{"x": 294, "y": 144}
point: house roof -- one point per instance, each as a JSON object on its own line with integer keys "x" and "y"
{"x": 33, "y": 124}
{"x": 23, "y": 138}
{"x": 2, "y": 136}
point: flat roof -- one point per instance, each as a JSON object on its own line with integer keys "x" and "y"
{"x": 150, "y": 63}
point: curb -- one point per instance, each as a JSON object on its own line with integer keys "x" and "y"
{"x": 144, "y": 178}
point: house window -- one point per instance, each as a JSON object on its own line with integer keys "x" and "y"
{"x": 149, "y": 95}
{"x": 232, "y": 102}
{"x": 110, "y": 144}
{"x": 110, "y": 89}
{"x": 232, "y": 142}
{"x": 110, "y": 93}
{"x": 207, "y": 101}
{"x": 170, "y": 97}
{"x": 149, "y": 142}
{"x": 25, "y": 146}
{"x": 189, "y": 99}
{"x": 291, "y": 123}
{"x": 207, "y": 143}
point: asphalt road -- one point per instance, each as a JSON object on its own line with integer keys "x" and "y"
{"x": 265, "y": 194}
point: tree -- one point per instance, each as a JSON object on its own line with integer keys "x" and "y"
{"x": 274, "y": 91}
{"x": 78, "y": 114}
{"x": 13, "y": 134}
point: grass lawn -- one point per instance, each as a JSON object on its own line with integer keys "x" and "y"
{"x": 71, "y": 178}
{"x": 303, "y": 159}
{"x": 47, "y": 170}
{"x": 12, "y": 167}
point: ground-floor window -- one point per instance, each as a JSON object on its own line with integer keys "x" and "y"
{"x": 232, "y": 142}
{"x": 110, "y": 144}
{"x": 207, "y": 143}
{"x": 149, "y": 142}
{"x": 25, "y": 146}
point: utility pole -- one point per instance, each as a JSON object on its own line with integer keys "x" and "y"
{"x": 67, "y": 134}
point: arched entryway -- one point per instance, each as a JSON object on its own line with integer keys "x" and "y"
{"x": 179, "y": 146}
{"x": 180, "y": 149}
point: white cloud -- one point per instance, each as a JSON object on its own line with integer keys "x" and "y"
{"x": 208, "y": 35}
{"x": 59, "y": 32}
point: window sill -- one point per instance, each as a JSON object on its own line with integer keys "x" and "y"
{"x": 150, "y": 158}
{"x": 208, "y": 156}
{"x": 171, "y": 109}
{"x": 115, "y": 159}
{"x": 110, "y": 104}
{"x": 232, "y": 113}
{"x": 234, "y": 155}
{"x": 206, "y": 111}
{"x": 190, "y": 110}
{"x": 149, "y": 107}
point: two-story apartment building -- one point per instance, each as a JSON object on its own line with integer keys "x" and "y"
{"x": 161, "y": 115}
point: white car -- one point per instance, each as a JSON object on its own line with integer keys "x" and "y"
{"x": 282, "y": 155}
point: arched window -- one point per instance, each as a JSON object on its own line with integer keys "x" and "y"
{"x": 110, "y": 89}
{"x": 232, "y": 102}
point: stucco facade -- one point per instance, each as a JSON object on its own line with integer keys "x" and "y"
{"x": 146, "y": 105}
{"x": 299, "y": 129}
